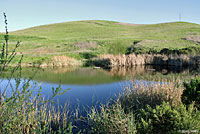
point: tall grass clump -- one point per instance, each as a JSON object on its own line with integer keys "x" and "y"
{"x": 21, "y": 111}
{"x": 112, "y": 120}
{"x": 29, "y": 117}
{"x": 137, "y": 97}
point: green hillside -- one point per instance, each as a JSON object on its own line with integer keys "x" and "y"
{"x": 85, "y": 39}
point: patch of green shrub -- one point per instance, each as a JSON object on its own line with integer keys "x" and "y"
{"x": 191, "y": 93}
{"x": 167, "y": 51}
{"x": 139, "y": 50}
{"x": 87, "y": 55}
{"x": 165, "y": 119}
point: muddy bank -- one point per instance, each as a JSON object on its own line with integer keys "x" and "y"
{"x": 107, "y": 61}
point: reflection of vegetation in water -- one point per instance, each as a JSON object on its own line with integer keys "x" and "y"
{"x": 83, "y": 76}
{"x": 153, "y": 72}
{"x": 89, "y": 76}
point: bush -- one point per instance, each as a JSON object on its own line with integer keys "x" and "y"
{"x": 167, "y": 51}
{"x": 191, "y": 93}
{"x": 87, "y": 55}
{"x": 165, "y": 119}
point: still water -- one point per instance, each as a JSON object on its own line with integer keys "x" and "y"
{"x": 92, "y": 87}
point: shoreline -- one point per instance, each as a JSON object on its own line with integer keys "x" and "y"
{"x": 109, "y": 61}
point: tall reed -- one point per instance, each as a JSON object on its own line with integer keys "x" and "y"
{"x": 137, "y": 97}
{"x": 35, "y": 119}
{"x": 20, "y": 111}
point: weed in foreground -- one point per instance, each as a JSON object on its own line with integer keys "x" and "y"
{"x": 146, "y": 109}
{"x": 111, "y": 119}
{"x": 19, "y": 111}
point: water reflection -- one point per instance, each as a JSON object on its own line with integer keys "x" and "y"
{"x": 89, "y": 87}
{"x": 90, "y": 76}
{"x": 77, "y": 76}
{"x": 152, "y": 73}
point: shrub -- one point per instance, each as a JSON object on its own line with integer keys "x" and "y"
{"x": 167, "y": 51}
{"x": 132, "y": 48}
{"x": 165, "y": 119}
{"x": 87, "y": 55}
{"x": 192, "y": 92}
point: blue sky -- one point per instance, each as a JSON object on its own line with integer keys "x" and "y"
{"x": 28, "y": 13}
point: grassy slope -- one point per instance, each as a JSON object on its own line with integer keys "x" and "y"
{"x": 111, "y": 37}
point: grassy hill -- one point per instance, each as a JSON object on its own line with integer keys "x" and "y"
{"x": 85, "y": 39}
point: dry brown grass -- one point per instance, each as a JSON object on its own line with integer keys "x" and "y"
{"x": 37, "y": 119}
{"x": 111, "y": 120}
{"x": 138, "y": 97}
{"x": 61, "y": 61}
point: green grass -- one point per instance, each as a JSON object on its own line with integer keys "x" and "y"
{"x": 110, "y": 37}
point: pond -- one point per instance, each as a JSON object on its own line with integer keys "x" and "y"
{"x": 91, "y": 87}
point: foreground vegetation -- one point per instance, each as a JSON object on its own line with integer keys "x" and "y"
{"x": 161, "y": 108}
{"x": 21, "y": 111}
{"x": 87, "y": 39}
